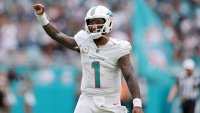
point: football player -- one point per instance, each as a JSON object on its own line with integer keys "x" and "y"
{"x": 103, "y": 59}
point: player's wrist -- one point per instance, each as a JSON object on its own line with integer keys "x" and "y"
{"x": 137, "y": 102}
{"x": 43, "y": 19}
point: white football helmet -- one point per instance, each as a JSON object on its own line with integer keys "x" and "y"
{"x": 99, "y": 12}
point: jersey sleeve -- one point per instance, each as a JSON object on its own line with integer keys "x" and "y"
{"x": 80, "y": 37}
{"x": 125, "y": 48}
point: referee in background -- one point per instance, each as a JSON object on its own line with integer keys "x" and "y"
{"x": 187, "y": 84}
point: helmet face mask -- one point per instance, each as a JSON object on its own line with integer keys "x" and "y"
{"x": 98, "y": 20}
{"x": 95, "y": 25}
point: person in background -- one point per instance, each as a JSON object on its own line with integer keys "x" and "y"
{"x": 4, "y": 92}
{"x": 25, "y": 90}
{"x": 187, "y": 85}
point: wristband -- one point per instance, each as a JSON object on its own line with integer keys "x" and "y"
{"x": 43, "y": 19}
{"x": 137, "y": 102}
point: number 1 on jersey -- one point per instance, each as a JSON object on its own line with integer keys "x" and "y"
{"x": 96, "y": 66}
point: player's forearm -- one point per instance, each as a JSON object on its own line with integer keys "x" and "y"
{"x": 60, "y": 37}
{"x": 55, "y": 33}
{"x": 127, "y": 71}
{"x": 52, "y": 31}
{"x": 133, "y": 85}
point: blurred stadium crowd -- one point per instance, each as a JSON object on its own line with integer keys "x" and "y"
{"x": 24, "y": 46}
{"x": 181, "y": 26}
{"x": 26, "y": 40}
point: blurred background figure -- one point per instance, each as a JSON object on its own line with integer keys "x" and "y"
{"x": 187, "y": 85}
{"x": 25, "y": 90}
{"x": 4, "y": 107}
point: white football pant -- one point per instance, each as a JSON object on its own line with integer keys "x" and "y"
{"x": 99, "y": 104}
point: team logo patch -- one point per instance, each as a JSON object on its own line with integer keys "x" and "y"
{"x": 85, "y": 50}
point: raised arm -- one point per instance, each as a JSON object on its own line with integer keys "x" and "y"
{"x": 127, "y": 70}
{"x": 53, "y": 32}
